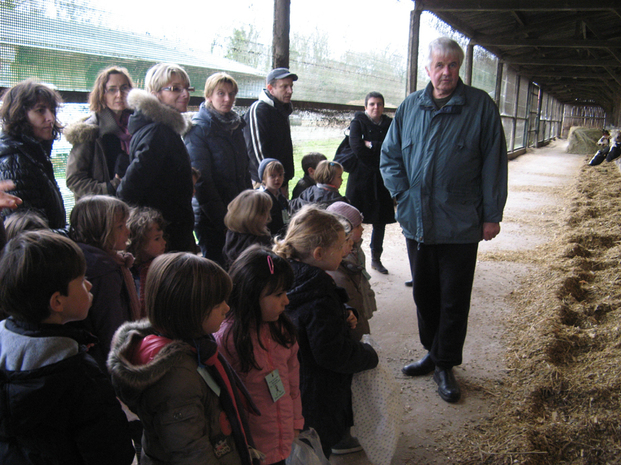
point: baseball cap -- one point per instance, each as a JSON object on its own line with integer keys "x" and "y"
{"x": 280, "y": 73}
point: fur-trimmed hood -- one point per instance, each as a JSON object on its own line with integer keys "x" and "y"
{"x": 139, "y": 377}
{"x": 90, "y": 127}
{"x": 84, "y": 130}
{"x": 151, "y": 108}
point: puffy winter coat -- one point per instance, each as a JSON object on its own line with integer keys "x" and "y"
{"x": 273, "y": 430}
{"x": 351, "y": 275}
{"x": 96, "y": 149}
{"x": 323, "y": 195}
{"x": 365, "y": 186}
{"x": 56, "y": 406}
{"x": 188, "y": 417}
{"x": 237, "y": 242}
{"x": 160, "y": 173}
{"x": 446, "y": 168}
{"x": 268, "y": 134}
{"x": 328, "y": 354}
{"x": 220, "y": 155}
{"x": 27, "y": 163}
{"x": 111, "y": 302}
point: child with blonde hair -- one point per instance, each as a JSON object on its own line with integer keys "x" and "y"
{"x": 259, "y": 341}
{"x": 99, "y": 226}
{"x": 272, "y": 175}
{"x": 168, "y": 370}
{"x": 146, "y": 241}
{"x": 329, "y": 178}
{"x": 246, "y": 220}
{"x": 328, "y": 354}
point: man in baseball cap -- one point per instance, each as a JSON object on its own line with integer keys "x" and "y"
{"x": 267, "y": 131}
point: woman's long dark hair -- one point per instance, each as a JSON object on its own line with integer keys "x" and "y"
{"x": 255, "y": 270}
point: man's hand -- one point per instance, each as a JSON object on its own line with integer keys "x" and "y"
{"x": 8, "y": 200}
{"x": 490, "y": 230}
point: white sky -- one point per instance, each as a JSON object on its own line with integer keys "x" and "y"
{"x": 355, "y": 25}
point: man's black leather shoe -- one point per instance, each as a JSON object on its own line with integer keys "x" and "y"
{"x": 448, "y": 388}
{"x": 423, "y": 367}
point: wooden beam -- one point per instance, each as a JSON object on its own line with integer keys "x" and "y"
{"x": 280, "y": 38}
{"x": 519, "y": 5}
{"x": 556, "y": 62}
{"x": 514, "y": 42}
{"x": 413, "y": 45}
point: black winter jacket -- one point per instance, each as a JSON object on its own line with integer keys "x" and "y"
{"x": 328, "y": 354}
{"x": 365, "y": 186}
{"x": 322, "y": 195}
{"x": 268, "y": 134}
{"x": 160, "y": 174}
{"x": 27, "y": 163}
{"x": 237, "y": 242}
{"x": 220, "y": 155}
{"x": 56, "y": 406}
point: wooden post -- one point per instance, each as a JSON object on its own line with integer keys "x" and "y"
{"x": 280, "y": 37}
{"x": 498, "y": 92}
{"x": 413, "y": 44}
{"x": 469, "y": 63}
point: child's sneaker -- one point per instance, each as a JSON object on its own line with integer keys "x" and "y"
{"x": 347, "y": 445}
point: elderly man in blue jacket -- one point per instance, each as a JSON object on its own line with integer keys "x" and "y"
{"x": 444, "y": 160}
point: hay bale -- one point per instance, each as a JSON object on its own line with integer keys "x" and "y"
{"x": 583, "y": 141}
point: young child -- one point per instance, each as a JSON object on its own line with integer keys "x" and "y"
{"x": 24, "y": 220}
{"x": 328, "y": 354}
{"x": 168, "y": 369}
{"x": 99, "y": 226}
{"x": 246, "y": 220}
{"x": 259, "y": 341}
{"x": 309, "y": 164}
{"x": 351, "y": 274}
{"x": 57, "y": 406}
{"x": 329, "y": 177}
{"x": 272, "y": 174}
{"x": 146, "y": 241}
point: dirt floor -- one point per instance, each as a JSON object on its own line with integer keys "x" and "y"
{"x": 431, "y": 427}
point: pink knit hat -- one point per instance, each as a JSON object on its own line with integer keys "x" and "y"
{"x": 348, "y": 211}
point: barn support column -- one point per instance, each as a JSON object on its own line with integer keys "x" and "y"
{"x": 498, "y": 92}
{"x": 280, "y": 37}
{"x": 413, "y": 43}
{"x": 469, "y": 63}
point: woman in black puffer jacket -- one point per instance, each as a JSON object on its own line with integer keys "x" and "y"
{"x": 218, "y": 150}
{"x": 159, "y": 175}
{"x": 365, "y": 186}
{"x": 29, "y": 127}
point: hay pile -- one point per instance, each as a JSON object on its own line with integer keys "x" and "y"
{"x": 583, "y": 140}
{"x": 560, "y": 401}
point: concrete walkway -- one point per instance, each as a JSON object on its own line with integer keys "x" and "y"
{"x": 536, "y": 182}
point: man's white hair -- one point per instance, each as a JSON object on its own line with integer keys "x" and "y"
{"x": 443, "y": 46}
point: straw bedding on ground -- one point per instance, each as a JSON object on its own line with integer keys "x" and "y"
{"x": 560, "y": 399}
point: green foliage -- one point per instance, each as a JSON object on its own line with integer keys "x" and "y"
{"x": 326, "y": 146}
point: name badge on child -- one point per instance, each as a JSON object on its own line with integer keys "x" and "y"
{"x": 274, "y": 384}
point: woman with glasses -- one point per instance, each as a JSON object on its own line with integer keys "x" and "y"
{"x": 99, "y": 156}
{"x": 29, "y": 127}
{"x": 218, "y": 150}
{"x": 160, "y": 174}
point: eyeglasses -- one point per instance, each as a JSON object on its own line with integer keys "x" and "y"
{"x": 178, "y": 90}
{"x": 116, "y": 90}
